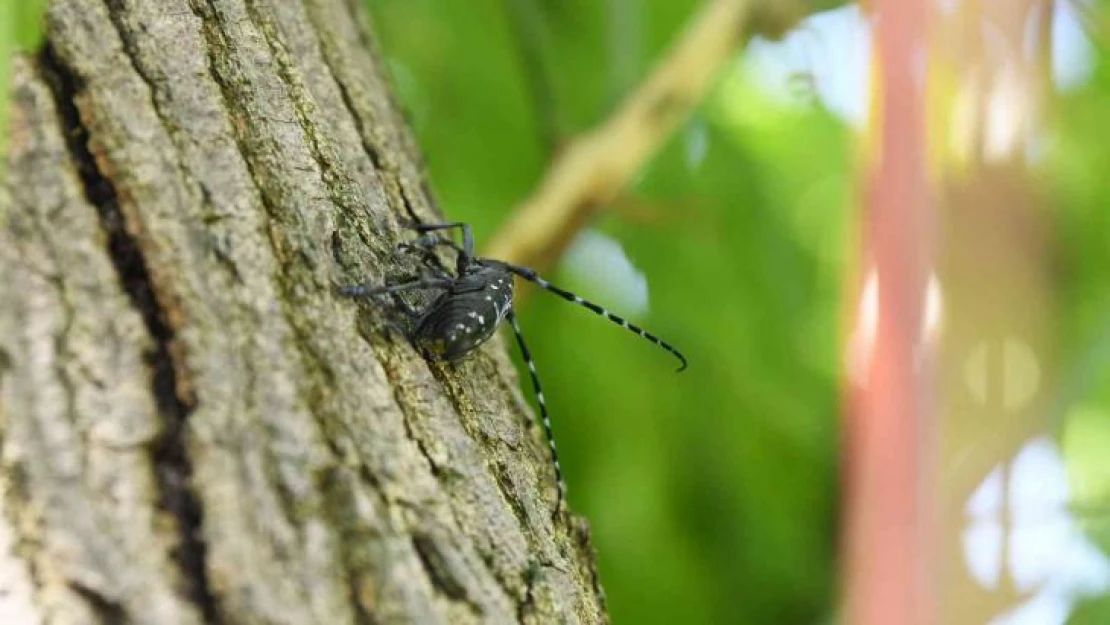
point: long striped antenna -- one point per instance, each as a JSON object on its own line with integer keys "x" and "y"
{"x": 531, "y": 276}
{"x": 527, "y": 355}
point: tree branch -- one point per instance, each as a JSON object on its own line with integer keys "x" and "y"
{"x": 596, "y": 168}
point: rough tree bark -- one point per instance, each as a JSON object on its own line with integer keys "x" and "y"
{"x": 195, "y": 428}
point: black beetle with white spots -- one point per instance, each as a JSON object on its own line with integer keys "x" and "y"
{"x": 470, "y": 306}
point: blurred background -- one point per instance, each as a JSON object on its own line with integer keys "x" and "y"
{"x": 716, "y": 496}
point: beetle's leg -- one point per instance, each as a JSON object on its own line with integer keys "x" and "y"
{"x": 467, "y": 234}
{"x": 428, "y": 241}
{"x": 425, "y": 246}
{"x": 369, "y": 290}
{"x": 395, "y": 290}
{"x": 466, "y": 251}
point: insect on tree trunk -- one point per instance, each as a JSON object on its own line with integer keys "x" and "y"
{"x": 195, "y": 427}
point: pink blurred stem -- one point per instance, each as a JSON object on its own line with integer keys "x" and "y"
{"x": 886, "y": 535}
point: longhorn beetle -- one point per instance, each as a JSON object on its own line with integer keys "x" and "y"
{"x": 472, "y": 304}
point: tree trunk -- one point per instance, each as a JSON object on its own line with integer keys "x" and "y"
{"x": 196, "y": 429}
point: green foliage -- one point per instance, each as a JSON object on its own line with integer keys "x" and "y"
{"x": 1079, "y": 185}
{"x": 711, "y": 493}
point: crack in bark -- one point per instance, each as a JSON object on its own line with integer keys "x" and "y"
{"x": 372, "y": 151}
{"x": 580, "y": 529}
{"x": 130, "y": 48}
{"x": 501, "y": 476}
{"x": 110, "y": 611}
{"x": 172, "y": 465}
{"x": 336, "y": 180}
{"x": 406, "y": 420}
{"x": 500, "y": 577}
{"x": 376, "y": 153}
{"x": 440, "y": 572}
{"x": 339, "y": 506}
{"x": 528, "y": 604}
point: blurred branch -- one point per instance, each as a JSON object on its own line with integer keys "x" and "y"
{"x": 886, "y": 519}
{"x": 595, "y": 168}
